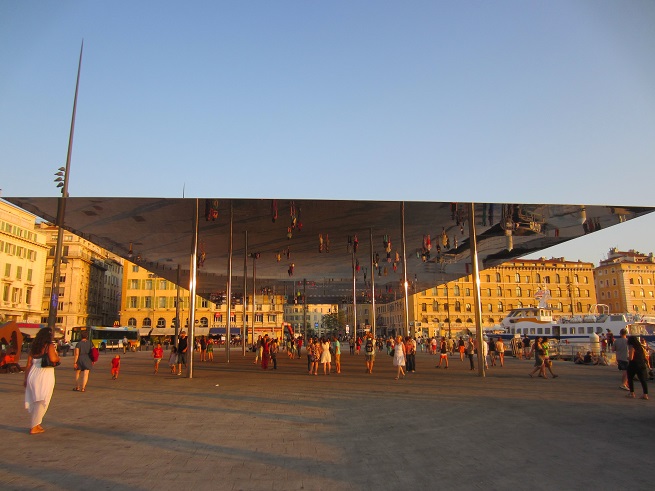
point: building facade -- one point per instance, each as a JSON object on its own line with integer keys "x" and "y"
{"x": 449, "y": 308}
{"x": 310, "y": 321}
{"x": 150, "y": 303}
{"x": 22, "y": 266}
{"x": 363, "y": 320}
{"x": 90, "y": 282}
{"x": 625, "y": 281}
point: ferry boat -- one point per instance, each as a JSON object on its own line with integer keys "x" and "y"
{"x": 539, "y": 321}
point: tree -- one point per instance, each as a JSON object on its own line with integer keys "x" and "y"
{"x": 330, "y": 324}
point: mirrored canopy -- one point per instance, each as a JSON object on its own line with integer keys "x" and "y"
{"x": 316, "y": 244}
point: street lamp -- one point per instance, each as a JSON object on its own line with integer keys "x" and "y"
{"x": 62, "y": 182}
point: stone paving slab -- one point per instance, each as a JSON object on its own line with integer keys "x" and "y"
{"x": 236, "y": 427}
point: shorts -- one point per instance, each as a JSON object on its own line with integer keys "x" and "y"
{"x": 623, "y": 365}
{"x": 157, "y": 360}
{"x": 370, "y": 357}
{"x": 443, "y": 355}
{"x": 181, "y": 358}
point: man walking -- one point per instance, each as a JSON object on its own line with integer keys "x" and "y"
{"x": 182, "y": 347}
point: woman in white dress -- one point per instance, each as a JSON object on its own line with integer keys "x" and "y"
{"x": 399, "y": 357}
{"x": 39, "y": 380}
{"x": 326, "y": 356}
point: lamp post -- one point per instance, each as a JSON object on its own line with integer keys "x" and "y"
{"x": 62, "y": 182}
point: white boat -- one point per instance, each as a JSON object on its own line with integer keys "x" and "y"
{"x": 539, "y": 321}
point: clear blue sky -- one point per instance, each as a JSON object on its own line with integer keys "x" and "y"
{"x": 504, "y": 101}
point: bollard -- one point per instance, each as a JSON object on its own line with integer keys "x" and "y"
{"x": 594, "y": 342}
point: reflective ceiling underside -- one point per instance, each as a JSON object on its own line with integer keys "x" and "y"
{"x": 314, "y": 239}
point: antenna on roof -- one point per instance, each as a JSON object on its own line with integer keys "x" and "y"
{"x": 183, "y": 186}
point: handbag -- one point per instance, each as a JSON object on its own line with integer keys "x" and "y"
{"x": 45, "y": 362}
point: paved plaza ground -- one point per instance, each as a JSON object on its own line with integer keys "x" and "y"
{"x": 236, "y": 427}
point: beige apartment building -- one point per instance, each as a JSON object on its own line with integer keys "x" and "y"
{"x": 89, "y": 282}
{"x": 22, "y": 266}
{"x": 364, "y": 318}
{"x": 311, "y": 320}
{"x": 149, "y": 303}
{"x": 449, "y": 308}
{"x": 625, "y": 281}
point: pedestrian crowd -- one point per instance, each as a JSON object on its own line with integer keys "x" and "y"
{"x": 634, "y": 358}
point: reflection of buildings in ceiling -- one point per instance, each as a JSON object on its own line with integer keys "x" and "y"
{"x": 157, "y": 232}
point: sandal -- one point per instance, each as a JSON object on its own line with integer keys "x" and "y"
{"x": 76, "y": 389}
{"x": 82, "y": 389}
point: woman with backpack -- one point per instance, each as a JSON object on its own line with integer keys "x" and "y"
{"x": 369, "y": 353}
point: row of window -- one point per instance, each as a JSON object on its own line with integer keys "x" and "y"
{"x": 16, "y": 294}
{"x": 19, "y": 272}
{"x": 631, "y": 281}
{"x": 633, "y": 294}
{"x": 149, "y": 284}
{"x": 499, "y": 291}
{"x": 17, "y": 231}
{"x": 203, "y": 321}
{"x": 500, "y": 307}
{"x": 19, "y": 251}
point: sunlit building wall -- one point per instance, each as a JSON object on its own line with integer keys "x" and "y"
{"x": 625, "y": 281}
{"x": 449, "y": 308}
{"x": 89, "y": 282}
{"x": 149, "y": 302}
{"x": 22, "y": 266}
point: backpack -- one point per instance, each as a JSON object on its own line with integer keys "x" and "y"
{"x": 94, "y": 354}
{"x": 369, "y": 347}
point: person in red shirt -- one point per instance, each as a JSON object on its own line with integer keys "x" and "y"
{"x": 158, "y": 354}
{"x": 115, "y": 366}
{"x": 9, "y": 363}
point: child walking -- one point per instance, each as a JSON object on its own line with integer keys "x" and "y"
{"x": 158, "y": 354}
{"x": 115, "y": 366}
{"x": 172, "y": 360}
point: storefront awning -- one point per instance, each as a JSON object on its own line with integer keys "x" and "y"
{"x": 144, "y": 331}
{"x": 163, "y": 331}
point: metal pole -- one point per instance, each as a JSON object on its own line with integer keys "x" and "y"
{"x": 405, "y": 285}
{"x": 372, "y": 285}
{"x": 473, "y": 244}
{"x": 61, "y": 211}
{"x": 354, "y": 299}
{"x": 193, "y": 278}
{"x": 254, "y": 279}
{"x": 177, "y": 308}
{"x": 229, "y": 287}
{"x": 244, "y": 334}
{"x": 304, "y": 306}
